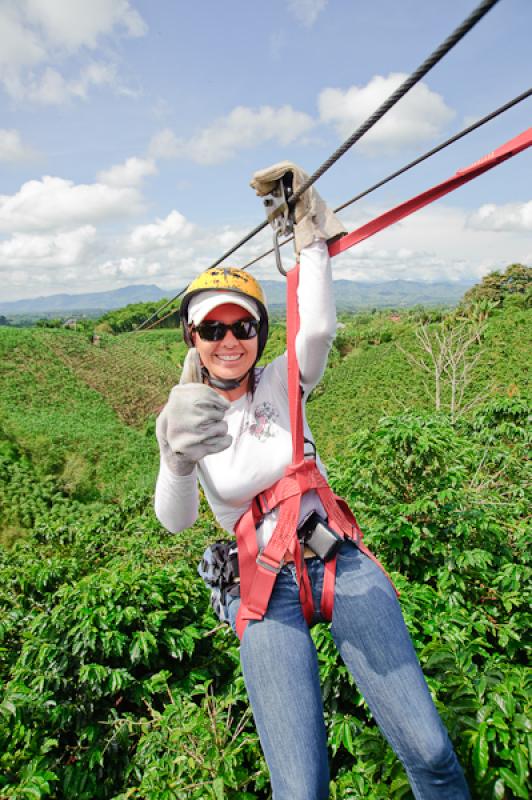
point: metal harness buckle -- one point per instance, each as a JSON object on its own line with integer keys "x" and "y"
{"x": 270, "y": 567}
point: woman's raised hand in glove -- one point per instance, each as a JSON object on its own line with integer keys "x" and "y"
{"x": 192, "y": 426}
{"x": 313, "y": 218}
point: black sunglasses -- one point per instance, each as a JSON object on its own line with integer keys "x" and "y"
{"x": 215, "y": 331}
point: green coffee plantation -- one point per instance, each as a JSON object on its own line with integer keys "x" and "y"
{"x": 116, "y": 679}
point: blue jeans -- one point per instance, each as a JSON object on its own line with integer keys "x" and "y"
{"x": 280, "y": 670}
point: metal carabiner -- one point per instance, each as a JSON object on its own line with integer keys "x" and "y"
{"x": 280, "y": 216}
{"x": 277, "y": 250}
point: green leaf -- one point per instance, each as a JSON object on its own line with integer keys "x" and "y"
{"x": 400, "y": 787}
{"x": 522, "y": 722}
{"x": 31, "y": 792}
{"x": 347, "y": 737}
{"x": 144, "y": 643}
{"x": 520, "y": 763}
{"x": 10, "y": 707}
{"x": 481, "y": 752}
{"x": 512, "y": 781}
{"x": 219, "y": 790}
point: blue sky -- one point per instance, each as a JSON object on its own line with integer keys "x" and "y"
{"x": 129, "y": 131}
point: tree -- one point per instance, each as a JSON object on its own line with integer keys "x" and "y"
{"x": 57, "y": 322}
{"x": 448, "y": 353}
{"x": 130, "y": 317}
{"x": 499, "y": 286}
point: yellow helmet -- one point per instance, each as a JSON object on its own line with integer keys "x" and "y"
{"x": 228, "y": 279}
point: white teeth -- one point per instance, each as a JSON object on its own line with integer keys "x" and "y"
{"x": 228, "y": 358}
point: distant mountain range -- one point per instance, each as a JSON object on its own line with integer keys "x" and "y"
{"x": 350, "y": 296}
{"x": 93, "y": 301}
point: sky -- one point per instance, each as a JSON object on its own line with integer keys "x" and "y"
{"x": 130, "y": 129}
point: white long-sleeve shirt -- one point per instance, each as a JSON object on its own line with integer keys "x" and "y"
{"x": 260, "y": 425}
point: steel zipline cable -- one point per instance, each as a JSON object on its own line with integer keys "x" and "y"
{"x": 394, "y": 98}
{"x": 411, "y": 81}
{"x": 428, "y": 154}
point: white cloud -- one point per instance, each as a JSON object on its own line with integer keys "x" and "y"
{"x": 12, "y": 148}
{"x": 164, "y": 144}
{"x": 242, "y": 128}
{"x": 38, "y": 35}
{"x": 509, "y": 217}
{"x": 129, "y": 268}
{"x": 15, "y": 279}
{"x": 49, "y": 87}
{"x": 58, "y": 204}
{"x": 20, "y": 46}
{"x": 307, "y": 11}
{"x": 435, "y": 244}
{"x": 77, "y": 23}
{"x": 172, "y": 250}
{"x": 97, "y": 73}
{"x": 37, "y": 251}
{"x": 163, "y": 233}
{"x": 130, "y": 173}
{"x": 418, "y": 117}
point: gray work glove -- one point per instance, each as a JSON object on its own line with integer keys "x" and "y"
{"x": 191, "y": 426}
{"x": 313, "y": 219}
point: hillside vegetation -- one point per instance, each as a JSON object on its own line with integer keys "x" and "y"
{"x": 369, "y": 374}
{"x": 117, "y": 680}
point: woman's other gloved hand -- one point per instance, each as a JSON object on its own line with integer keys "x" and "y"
{"x": 191, "y": 426}
{"x": 312, "y": 217}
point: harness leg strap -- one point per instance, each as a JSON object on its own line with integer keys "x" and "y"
{"x": 327, "y": 593}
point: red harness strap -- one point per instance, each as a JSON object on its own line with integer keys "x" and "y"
{"x": 259, "y": 570}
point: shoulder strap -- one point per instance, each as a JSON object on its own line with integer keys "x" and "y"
{"x": 294, "y": 392}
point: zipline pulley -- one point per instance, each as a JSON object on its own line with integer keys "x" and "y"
{"x": 279, "y": 214}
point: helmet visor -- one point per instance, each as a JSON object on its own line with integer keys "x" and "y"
{"x": 204, "y": 302}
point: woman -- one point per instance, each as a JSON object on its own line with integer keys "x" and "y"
{"x": 228, "y": 424}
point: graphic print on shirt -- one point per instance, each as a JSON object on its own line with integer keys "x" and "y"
{"x": 265, "y": 416}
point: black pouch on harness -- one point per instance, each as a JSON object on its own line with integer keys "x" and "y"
{"x": 219, "y": 570}
{"x": 322, "y": 540}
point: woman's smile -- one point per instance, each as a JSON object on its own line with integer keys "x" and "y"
{"x": 227, "y": 357}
